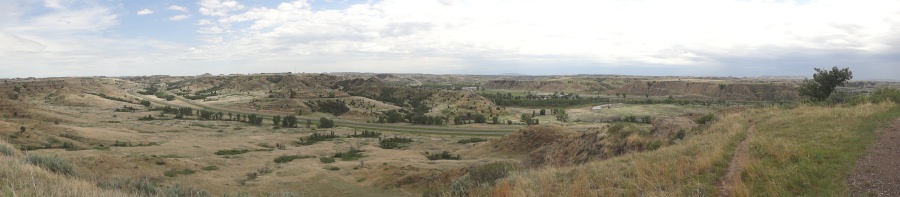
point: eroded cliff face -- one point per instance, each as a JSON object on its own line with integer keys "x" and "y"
{"x": 744, "y": 92}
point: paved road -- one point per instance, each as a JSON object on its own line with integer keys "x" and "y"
{"x": 345, "y": 123}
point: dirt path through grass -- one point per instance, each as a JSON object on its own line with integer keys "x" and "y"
{"x": 878, "y": 172}
{"x": 737, "y": 162}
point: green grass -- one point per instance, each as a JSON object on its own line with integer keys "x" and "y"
{"x": 810, "y": 151}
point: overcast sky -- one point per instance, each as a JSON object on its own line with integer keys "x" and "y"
{"x": 646, "y": 37}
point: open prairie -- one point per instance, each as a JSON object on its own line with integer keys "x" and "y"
{"x": 359, "y": 135}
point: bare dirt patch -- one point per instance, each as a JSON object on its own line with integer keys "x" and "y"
{"x": 878, "y": 172}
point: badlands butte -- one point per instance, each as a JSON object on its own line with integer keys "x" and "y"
{"x": 367, "y": 134}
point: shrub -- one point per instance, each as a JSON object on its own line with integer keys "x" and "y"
{"x": 52, "y": 164}
{"x": 443, "y": 156}
{"x": 315, "y": 137}
{"x": 210, "y": 168}
{"x": 393, "y": 143}
{"x": 471, "y": 140}
{"x": 326, "y": 123}
{"x": 332, "y": 168}
{"x": 489, "y": 173}
{"x": 150, "y": 188}
{"x": 232, "y": 152}
{"x": 366, "y": 134}
{"x": 7, "y": 151}
{"x": 706, "y": 119}
{"x": 289, "y": 158}
{"x": 326, "y": 159}
{"x": 678, "y": 135}
{"x": 176, "y": 172}
{"x": 460, "y": 186}
{"x": 655, "y": 144}
{"x": 351, "y": 155}
{"x": 880, "y": 95}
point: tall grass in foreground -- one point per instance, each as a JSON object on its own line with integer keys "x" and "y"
{"x": 808, "y": 150}
{"x": 693, "y": 167}
{"x": 19, "y": 178}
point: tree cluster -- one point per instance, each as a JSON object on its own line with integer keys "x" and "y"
{"x": 334, "y": 107}
{"x": 532, "y": 100}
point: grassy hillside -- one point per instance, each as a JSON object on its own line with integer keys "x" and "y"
{"x": 807, "y": 150}
{"x": 22, "y": 176}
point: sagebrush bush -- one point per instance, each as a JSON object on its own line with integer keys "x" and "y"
{"x": 706, "y": 119}
{"x": 326, "y": 159}
{"x": 52, "y": 164}
{"x": 443, "y": 156}
{"x": 7, "y": 151}
{"x": 489, "y": 173}
{"x": 232, "y": 152}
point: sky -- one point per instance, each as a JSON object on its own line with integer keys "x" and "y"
{"x": 740, "y": 38}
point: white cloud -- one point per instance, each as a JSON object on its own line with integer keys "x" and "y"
{"x": 219, "y": 8}
{"x": 54, "y": 4}
{"x": 145, "y": 12}
{"x": 662, "y": 32}
{"x": 180, "y": 17}
{"x": 91, "y": 19}
{"x": 178, "y": 8}
{"x": 447, "y": 36}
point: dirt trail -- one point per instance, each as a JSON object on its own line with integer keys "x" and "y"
{"x": 878, "y": 172}
{"x": 737, "y": 162}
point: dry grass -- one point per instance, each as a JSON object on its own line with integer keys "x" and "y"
{"x": 22, "y": 179}
{"x": 692, "y": 167}
{"x": 807, "y": 150}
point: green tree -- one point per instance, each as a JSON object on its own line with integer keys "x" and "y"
{"x": 289, "y": 121}
{"x": 276, "y": 120}
{"x": 326, "y": 123}
{"x": 824, "y": 82}
{"x": 561, "y": 115}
